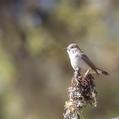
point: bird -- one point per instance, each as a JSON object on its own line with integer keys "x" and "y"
{"x": 80, "y": 61}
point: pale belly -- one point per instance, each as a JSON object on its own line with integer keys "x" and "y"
{"x": 78, "y": 63}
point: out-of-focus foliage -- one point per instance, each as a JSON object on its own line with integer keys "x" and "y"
{"x": 34, "y": 68}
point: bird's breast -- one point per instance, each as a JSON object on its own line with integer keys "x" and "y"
{"x": 77, "y": 62}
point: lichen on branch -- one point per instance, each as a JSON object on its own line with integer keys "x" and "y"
{"x": 80, "y": 93}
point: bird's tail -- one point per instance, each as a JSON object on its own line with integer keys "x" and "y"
{"x": 100, "y": 71}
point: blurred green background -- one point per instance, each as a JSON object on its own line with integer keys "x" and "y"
{"x": 35, "y": 71}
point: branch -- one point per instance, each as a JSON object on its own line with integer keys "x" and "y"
{"x": 80, "y": 93}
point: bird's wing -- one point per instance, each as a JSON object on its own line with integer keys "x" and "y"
{"x": 88, "y": 61}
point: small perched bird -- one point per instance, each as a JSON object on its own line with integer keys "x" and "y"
{"x": 80, "y": 61}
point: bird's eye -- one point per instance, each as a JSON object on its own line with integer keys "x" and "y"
{"x": 72, "y": 46}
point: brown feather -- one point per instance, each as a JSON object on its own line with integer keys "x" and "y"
{"x": 88, "y": 61}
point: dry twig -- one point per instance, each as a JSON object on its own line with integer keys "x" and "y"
{"x": 81, "y": 93}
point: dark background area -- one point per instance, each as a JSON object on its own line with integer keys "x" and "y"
{"x": 35, "y": 71}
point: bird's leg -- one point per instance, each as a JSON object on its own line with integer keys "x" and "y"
{"x": 77, "y": 75}
{"x": 77, "y": 72}
{"x": 87, "y": 72}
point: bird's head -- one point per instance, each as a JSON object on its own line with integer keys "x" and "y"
{"x": 72, "y": 49}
